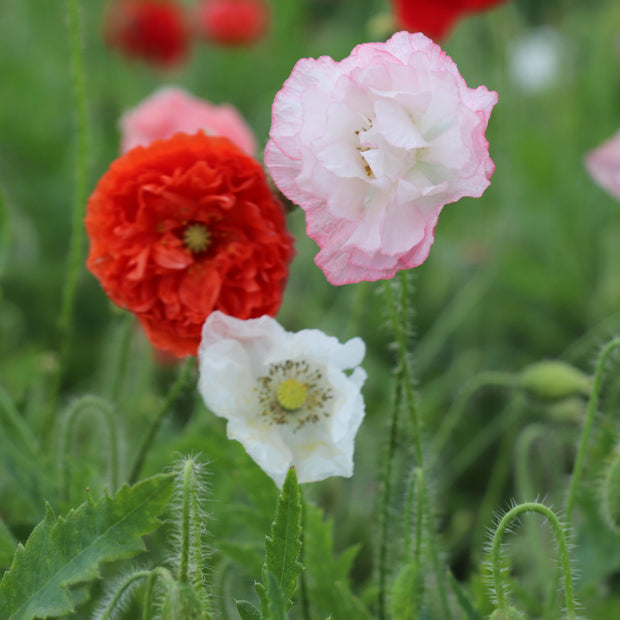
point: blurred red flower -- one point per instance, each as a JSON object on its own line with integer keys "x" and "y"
{"x": 153, "y": 30}
{"x": 233, "y": 22}
{"x": 435, "y": 18}
{"x": 183, "y": 227}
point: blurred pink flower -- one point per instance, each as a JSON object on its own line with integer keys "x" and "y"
{"x": 373, "y": 146}
{"x": 603, "y": 164}
{"x": 172, "y": 110}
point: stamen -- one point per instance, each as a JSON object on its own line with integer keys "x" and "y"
{"x": 196, "y": 238}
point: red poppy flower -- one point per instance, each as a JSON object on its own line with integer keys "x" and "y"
{"x": 436, "y": 17}
{"x": 183, "y": 227}
{"x": 233, "y": 22}
{"x": 154, "y": 30}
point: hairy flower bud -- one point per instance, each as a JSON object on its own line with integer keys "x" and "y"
{"x": 552, "y": 380}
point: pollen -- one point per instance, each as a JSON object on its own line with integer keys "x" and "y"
{"x": 196, "y": 238}
{"x": 291, "y": 394}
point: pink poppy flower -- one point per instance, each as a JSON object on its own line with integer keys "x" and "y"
{"x": 173, "y": 110}
{"x": 603, "y": 164}
{"x": 372, "y": 147}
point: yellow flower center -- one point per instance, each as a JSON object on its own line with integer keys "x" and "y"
{"x": 196, "y": 238}
{"x": 291, "y": 394}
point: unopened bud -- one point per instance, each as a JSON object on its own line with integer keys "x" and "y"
{"x": 553, "y": 380}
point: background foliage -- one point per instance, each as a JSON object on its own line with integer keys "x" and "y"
{"x": 527, "y": 272}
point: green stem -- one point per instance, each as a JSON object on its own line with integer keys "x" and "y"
{"x": 481, "y": 380}
{"x": 120, "y": 363}
{"x": 128, "y": 582}
{"x": 496, "y": 556}
{"x": 386, "y": 491}
{"x": 587, "y": 426}
{"x": 172, "y": 395}
{"x": 185, "y": 521}
{"x": 105, "y": 412}
{"x": 10, "y": 414}
{"x": 400, "y": 322}
{"x": 81, "y": 182}
{"x": 157, "y": 573}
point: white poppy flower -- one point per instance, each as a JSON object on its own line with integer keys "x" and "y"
{"x": 286, "y": 396}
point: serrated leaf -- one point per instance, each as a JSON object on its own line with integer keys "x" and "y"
{"x": 463, "y": 600}
{"x": 62, "y": 552}
{"x": 247, "y": 611}
{"x": 283, "y": 545}
{"x": 276, "y": 601}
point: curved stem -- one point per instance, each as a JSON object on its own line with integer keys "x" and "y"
{"x": 498, "y": 578}
{"x": 587, "y": 426}
{"x": 484, "y": 379}
{"x": 106, "y": 415}
{"x": 129, "y": 582}
{"x": 10, "y": 414}
{"x": 120, "y": 366}
{"x": 147, "y": 442}
{"x": 157, "y": 573}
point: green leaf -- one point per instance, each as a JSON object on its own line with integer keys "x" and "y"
{"x": 283, "y": 545}
{"x": 247, "y": 611}
{"x": 463, "y": 599}
{"x": 277, "y": 602}
{"x": 327, "y": 575}
{"x": 408, "y": 592}
{"x": 62, "y": 552}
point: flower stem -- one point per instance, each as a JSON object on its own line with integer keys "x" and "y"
{"x": 587, "y": 426}
{"x": 126, "y": 584}
{"x": 166, "y": 576}
{"x": 185, "y": 520}
{"x": 120, "y": 366}
{"x": 496, "y": 565}
{"x": 105, "y": 412}
{"x": 481, "y": 380}
{"x": 386, "y": 491}
{"x": 399, "y": 315}
{"x": 81, "y": 181}
{"x": 175, "y": 389}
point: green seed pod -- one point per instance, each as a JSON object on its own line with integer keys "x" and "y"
{"x": 553, "y": 380}
{"x": 510, "y": 613}
{"x": 181, "y": 602}
{"x": 610, "y": 500}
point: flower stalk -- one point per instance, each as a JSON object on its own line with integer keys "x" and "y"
{"x": 496, "y": 555}
{"x": 606, "y": 351}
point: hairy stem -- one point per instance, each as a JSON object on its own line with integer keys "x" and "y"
{"x": 587, "y": 426}
{"x": 496, "y": 555}
{"x": 399, "y": 315}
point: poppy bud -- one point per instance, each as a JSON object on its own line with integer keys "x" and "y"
{"x": 153, "y": 30}
{"x": 551, "y": 380}
{"x": 233, "y": 22}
